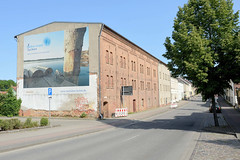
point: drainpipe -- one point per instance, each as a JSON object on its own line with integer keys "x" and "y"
{"x": 99, "y": 73}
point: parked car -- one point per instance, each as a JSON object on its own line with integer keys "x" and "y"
{"x": 218, "y": 108}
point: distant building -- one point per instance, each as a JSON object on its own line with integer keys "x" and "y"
{"x": 180, "y": 90}
{"x": 231, "y": 94}
{"x": 164, "y": 84}
{"x": 174, "y": 90}
{"x": 189, "y": 90}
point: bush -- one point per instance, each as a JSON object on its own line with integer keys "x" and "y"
{"x": 10, "y": 124}
{"x": 5, "y": 125}
{"x": 44, "y": 121}
{"x": 16, "y": 123}
{"x": 28, "y": 123}
{"x": 83, "y": 115}
{"x": 9, "y": 104}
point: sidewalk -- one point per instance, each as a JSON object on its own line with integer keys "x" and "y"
{"x": 68, "y": 127}
{"x": 232, "y": 116}
{"x": 217, "y": 143}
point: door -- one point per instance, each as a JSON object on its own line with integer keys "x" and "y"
{"x": 134, "y": 106}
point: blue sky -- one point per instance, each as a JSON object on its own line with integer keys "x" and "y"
{"x": 145, "y": 23}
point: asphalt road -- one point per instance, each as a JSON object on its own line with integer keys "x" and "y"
{"x": 170, "y": 135}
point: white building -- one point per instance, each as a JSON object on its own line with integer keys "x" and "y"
{"x": 180, "y": 94}
{"x": 230, "y": 94}
{"x": 174, "y": 90}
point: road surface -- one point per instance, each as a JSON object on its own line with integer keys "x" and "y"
{"x": 170, "y": 135}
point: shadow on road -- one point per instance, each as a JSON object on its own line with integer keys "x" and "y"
{"x": 181, "y": 121}
{"x": 195, "y": 121}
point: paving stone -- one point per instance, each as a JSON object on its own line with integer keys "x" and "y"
{"x": 216, "y": 146}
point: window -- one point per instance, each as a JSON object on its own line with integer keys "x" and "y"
{"x": 107, "y": 57}
{"x": 134, "y": 66}
{"x": 121, "y": 61}
{"x": 148, "y": 86}
{"x": 142, "y": 102}
{"x": 125, "y": 81}
{"x": 154, "y": 73}
{"x": 148, "y": 71}
{"x": 124, "y": 62}
{"x": 121, "y": 81}
{"x": 141, "y": 68}
{"x": 112, "y": 82}
{"x": 108, "y": 82}
{"x": 155, "y": 86}
{"x": 111, "y": 58}
{"x": 142, "y": 85}
{"x": 134, "y": 84}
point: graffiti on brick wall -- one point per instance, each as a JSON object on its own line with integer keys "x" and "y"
{"x": 81, "y": 103}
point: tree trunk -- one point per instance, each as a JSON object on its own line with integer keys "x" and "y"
{"x": 214, "y": 112}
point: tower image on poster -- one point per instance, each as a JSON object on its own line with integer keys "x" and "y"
{"x": 57, "y": 59}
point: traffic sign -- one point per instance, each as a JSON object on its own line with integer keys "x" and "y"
{"x": 50, "y": 92}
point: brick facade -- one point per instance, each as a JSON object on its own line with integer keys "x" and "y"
{"x": 124, "y": 64}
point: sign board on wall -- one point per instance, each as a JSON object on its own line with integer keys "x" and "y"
{"x": 57, "y": 59}
{"x": 127, "y": 90}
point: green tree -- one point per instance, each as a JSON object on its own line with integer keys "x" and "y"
{"x": 9, "y": 104}
{"x": 206, "y": 46}
{"x": 6, "y": 84}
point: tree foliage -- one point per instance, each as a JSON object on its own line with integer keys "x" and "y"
{"x": 6, "y": 84}
{"x": 9, "y": 104}
{"x": 206, "y": 45}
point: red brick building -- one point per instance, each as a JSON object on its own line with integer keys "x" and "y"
{"x": 125, "y": 64}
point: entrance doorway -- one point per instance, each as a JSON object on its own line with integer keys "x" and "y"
{"x": 134, "y": 106}
{"x": 105, "y": 109}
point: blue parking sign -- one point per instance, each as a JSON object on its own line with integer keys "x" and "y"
{"x": 50, "y": 91}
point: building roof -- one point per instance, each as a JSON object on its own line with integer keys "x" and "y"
{"x": 104, "y": 26}
{"x": 184, "y": 80}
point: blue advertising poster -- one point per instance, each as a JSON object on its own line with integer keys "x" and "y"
{"x": 57, "y": 59}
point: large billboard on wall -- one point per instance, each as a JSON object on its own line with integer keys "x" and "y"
{"x": 57, "y": 59}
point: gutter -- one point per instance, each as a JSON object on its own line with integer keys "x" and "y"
{"x": 99, "y": 74}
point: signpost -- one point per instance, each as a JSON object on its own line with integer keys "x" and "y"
{"x": 49, "y": 97}
{"x": 122, "y": 112}
{"x": 127, "y": 90}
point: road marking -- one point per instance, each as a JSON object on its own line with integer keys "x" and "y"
{"x": 130, "y": 138}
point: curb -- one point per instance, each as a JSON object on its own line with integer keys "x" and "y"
{"x": 27, "y": 129}
{"x": 212, "y": 129}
